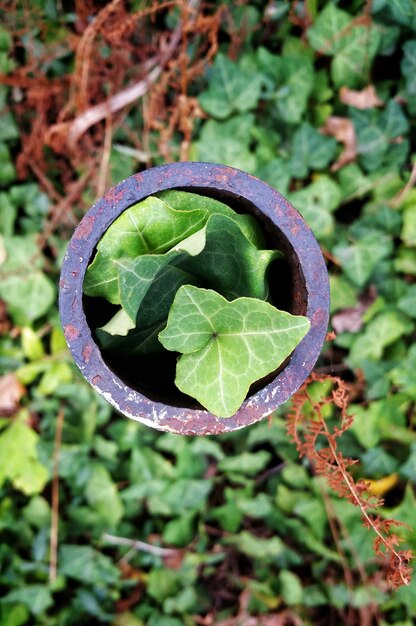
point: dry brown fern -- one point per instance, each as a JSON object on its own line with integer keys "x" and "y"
{"x": 330, "y": 463}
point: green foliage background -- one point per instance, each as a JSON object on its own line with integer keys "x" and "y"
{"x": 249, "y": 519}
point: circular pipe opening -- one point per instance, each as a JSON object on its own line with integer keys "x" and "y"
{"x": 299, "y": 284}
{"x": 154, "y": 374}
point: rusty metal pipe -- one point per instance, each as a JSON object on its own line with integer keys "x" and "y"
{"x": 303, "y": 283}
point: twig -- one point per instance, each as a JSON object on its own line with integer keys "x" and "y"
{"x": 61, "y": 207}
{"x": 53, "y": 558}
{"x": 136, "y": 544}
{"x": 403, "y": 192}
{"x": 105, "y": 159}
{"x": 95, "y": 114}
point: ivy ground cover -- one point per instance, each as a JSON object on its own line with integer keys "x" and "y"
{"x": 317, "y": 99}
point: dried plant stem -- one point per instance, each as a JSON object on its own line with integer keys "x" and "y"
{"x": 105, "y": 159}
{"x": 408, "y": 186}
{"x": 142, "y": 546}
{"x": 330, "y": 463}
{"x": 53, "y": 558}
{"x": 95, "y": 114}
{"x": 358, "y": 501}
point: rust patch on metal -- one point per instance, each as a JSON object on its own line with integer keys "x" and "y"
{"x": 113, "y": 195}
{"x": 71, "y": 332}
{"x": 86, "y": 353}
{"x": 85, "y": 227}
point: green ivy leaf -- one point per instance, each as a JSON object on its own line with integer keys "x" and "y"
{"x": 409, "y": 226}
{"x": 217, "y": 366}
{"x": 360, "y": 259}
{"x": 324, "y": 34}
{"x": 229, "y": 262}
{"x": 289, "y": 81}
{"x": 408, "y": 67}
{"x": 381, "y": 332}
{"x": 311, "y": 151}
{"x": 137, "y": 276}
{"x": 377, "y": 136}
{"x": 103, "y": 497}
{"x": 257, "y": 547}
{"x": 19, "y": 460}
{"x": 401, "y": 12}
{"x": 149, "y": 227}
{"x": 407, "y": 303}
{"x": 183, "y": 201}
{"x": 350, "y": 66}
{"x": 316, "y": 202}
{"x": 233, "y": 87}
{"x": 37, "y": 598}
{"x": 27, "y": 297}
{"x": 404, "y": 374}
{"x": 86, "y": 565}
{"x": 246, "y": 463}
{"x": 218, "y": 255}
{"x": 352, "y": 45}
{"x": 408, "y": 469}
{"x": 226, "y": 142}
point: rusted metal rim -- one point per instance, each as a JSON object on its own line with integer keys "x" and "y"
{"x": 297, "y": 242}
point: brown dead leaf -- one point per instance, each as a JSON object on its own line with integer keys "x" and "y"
{"x": 5, "y": 324}
{"x": 11, "y": 391}
{"x": 350, "y": 319}
{"x": 343, "y": 130}
{"x": 365, "y": 99}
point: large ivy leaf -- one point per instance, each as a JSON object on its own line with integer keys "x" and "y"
{"x": 185, "y": 201}
{"x": 350, "y": 66}
{"x": 229, "y": 262}
{"x": 226, "y": 142}
{"x": 226, "y": 346}
{"x": 289, "y": 80}
{"x": 233, "y": 87}
{"x": 103, "y": 497}
{"x": 409, "y": 226}
{"x": 219, "y": 255}
{"x": 19, "y": 460}
{"x": 137, "y": 276}
{"x": 316, "y": 202}
{"x": 28, "y": 297}
{"x": 324, "y": 34}
{"x": 353, "y": 46}
{"x": 378, "y": 136}
{"x": 401, "y": 12}
{"x": 404, "y": 374}
{"x": 37, "y": 598}
{"x": 381, "y": 332}
{"x": 311, "y": 150}
{"x": 85, "y": 564}
{"x": 360, "y": 259}
{"x": 149, "y": 227}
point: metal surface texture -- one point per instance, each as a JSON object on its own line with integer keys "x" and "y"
{"x": 282, "y": 224}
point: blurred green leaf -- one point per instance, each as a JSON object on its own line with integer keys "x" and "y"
{"x": 360, "y": 259}
{"x": 87, "y": 565}
{"x": 290, "y": 588}
{"x": 19, "y": 461}
{"x": 37, "y": 598}
{"x": 316, "y": 202}
{"x": 103, "y": 496}
{"x": 311, "y": 151}
{"x": 232, "y": 88}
